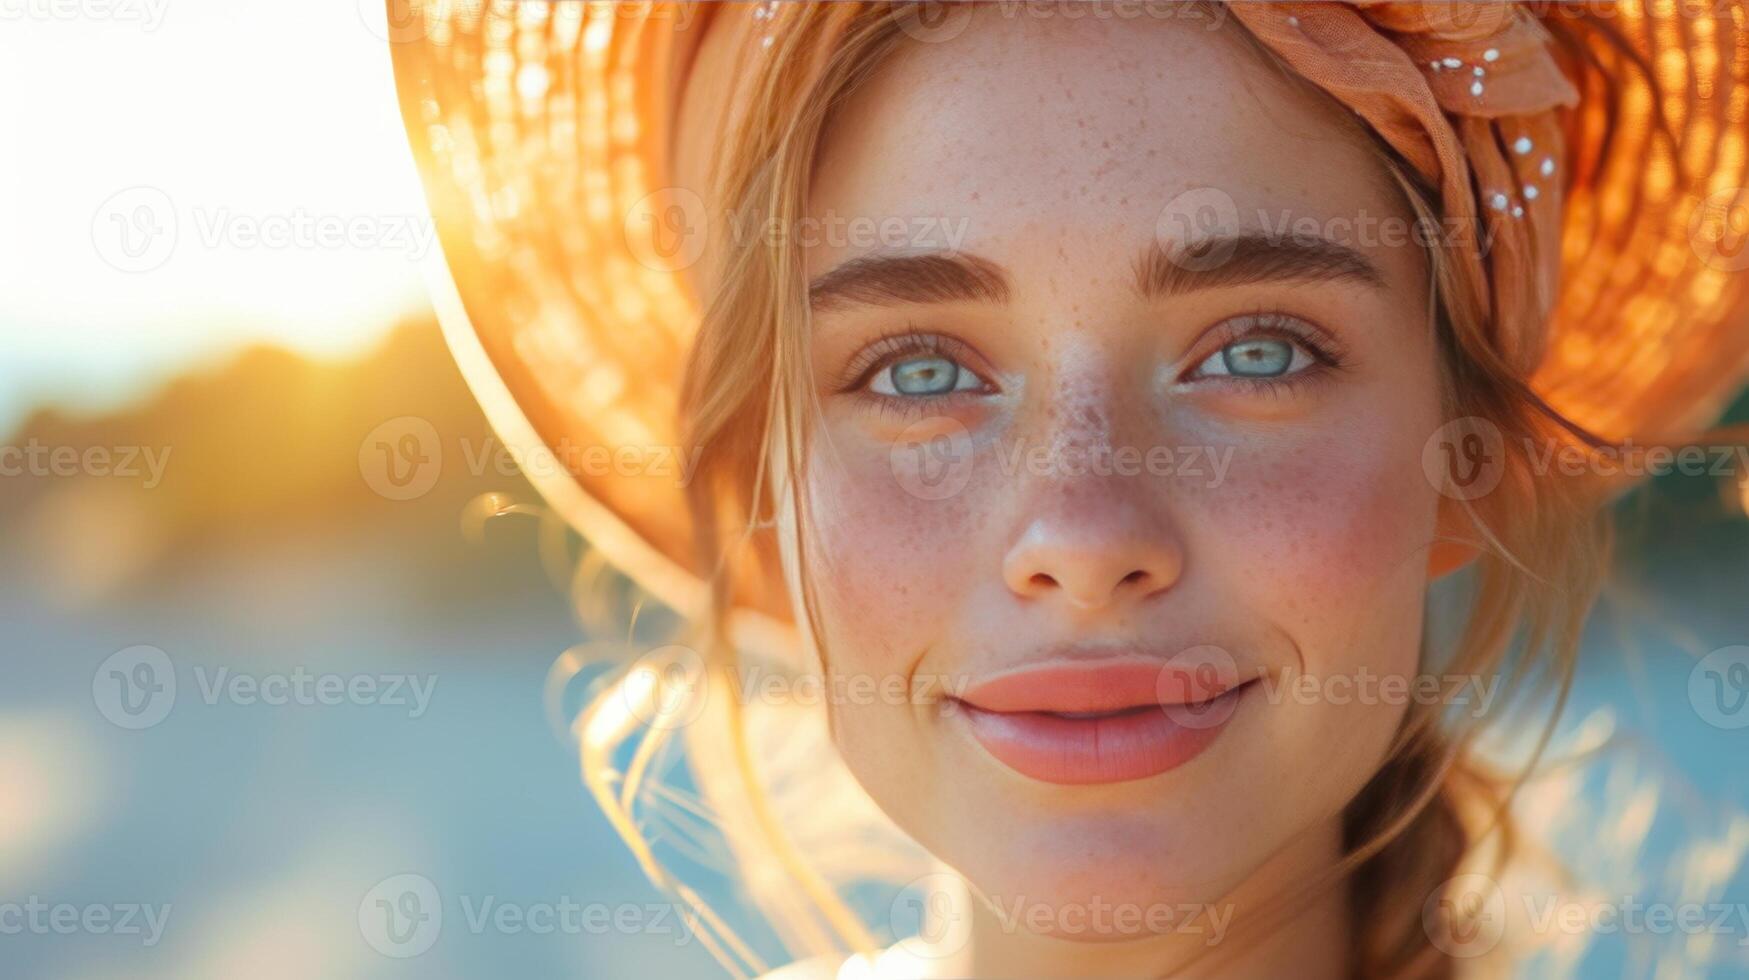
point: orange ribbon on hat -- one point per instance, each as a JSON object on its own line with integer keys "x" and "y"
{"x": 1467, "y": 93}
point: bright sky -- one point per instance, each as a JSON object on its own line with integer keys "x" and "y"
{"x": 180, "y": 178}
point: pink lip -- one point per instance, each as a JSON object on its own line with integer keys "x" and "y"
{"x": 1099, "y": 723}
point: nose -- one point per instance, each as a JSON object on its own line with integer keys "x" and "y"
{"x": 1094, "y": 554}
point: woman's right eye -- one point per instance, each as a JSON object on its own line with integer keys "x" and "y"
{"x": 922, "y": 377}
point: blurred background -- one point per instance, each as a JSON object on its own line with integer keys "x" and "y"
{"x": 239, "y": 474}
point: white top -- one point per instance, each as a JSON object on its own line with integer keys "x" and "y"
{"x": 901, "y": 961}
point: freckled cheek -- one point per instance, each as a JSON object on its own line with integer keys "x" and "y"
{"x": 889, "y": 567}
{"x": 1331, "y": 539}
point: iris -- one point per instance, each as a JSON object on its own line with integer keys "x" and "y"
{"x": 1258, "y": 358}
{"x": 925, "y": 376}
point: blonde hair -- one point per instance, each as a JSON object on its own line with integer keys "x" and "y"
{"x": 1542, "y": 544}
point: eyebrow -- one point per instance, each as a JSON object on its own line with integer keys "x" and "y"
{"x": 1207, "y": 263}
{"x": 1240, "y": 260}
{"x": 926, "y": 277}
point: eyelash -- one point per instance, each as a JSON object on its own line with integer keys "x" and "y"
{"x": 1326, "y": 351}
{"x": 893, "y": 348}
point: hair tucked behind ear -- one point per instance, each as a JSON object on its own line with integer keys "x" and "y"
{"x": 1542, "y": 541}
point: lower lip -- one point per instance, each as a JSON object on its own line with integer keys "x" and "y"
{"x": 1109, "y": 748}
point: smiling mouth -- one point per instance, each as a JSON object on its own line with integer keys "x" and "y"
{"x": 1089, "y": 725}
{"x": 1190, "y": 711}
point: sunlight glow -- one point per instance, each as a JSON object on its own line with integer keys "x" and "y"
{"x": 191, "y": 178}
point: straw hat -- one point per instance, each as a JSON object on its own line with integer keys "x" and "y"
{"x": 562, "y": 154}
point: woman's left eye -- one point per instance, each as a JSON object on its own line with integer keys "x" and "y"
{"x": 923, "y": 376}
{"x": 1257, "y": 357}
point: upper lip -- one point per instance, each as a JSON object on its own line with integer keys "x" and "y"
{"x": 1103, "y": 685}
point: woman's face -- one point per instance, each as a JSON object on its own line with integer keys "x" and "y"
{"x": 1074, "y": 479}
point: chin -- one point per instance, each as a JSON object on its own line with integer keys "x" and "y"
{"x": 1109, "y": 884}
{"x": 1153, "y": 847}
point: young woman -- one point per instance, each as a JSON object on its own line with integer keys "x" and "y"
{"x": 1050, "y": 420}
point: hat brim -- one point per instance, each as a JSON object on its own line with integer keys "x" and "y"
{"x": 543, "y": 134}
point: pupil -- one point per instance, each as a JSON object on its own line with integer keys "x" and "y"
{"x": 1258, "y": 358}
{"x": 925, "y": 376}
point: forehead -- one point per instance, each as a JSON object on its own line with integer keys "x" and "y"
{"x": 1099, "y": 128}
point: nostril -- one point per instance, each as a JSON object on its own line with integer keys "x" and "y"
{"x": 1042, "y": 580}
{"x": 1135, "y": 577}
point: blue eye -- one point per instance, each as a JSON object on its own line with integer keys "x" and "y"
{"x": 1256, "y": 357}
{"x": 923, "y": 376}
